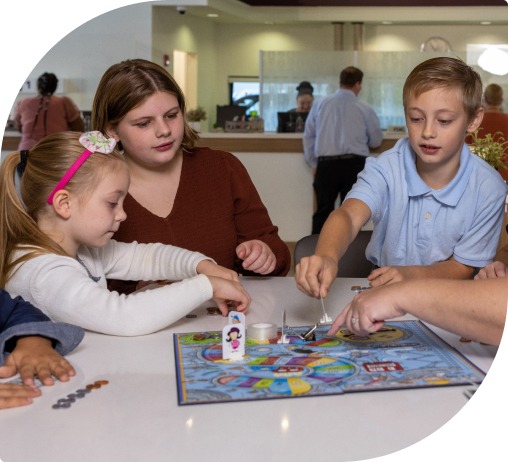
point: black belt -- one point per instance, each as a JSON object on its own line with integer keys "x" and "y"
{"x": 339, "y": 157}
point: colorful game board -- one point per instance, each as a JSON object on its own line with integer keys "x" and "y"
{"x": 403, "y": 354}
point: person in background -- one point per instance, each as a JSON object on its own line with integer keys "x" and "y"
{"x": 472, "y": 309}
{"x": 57, "y": 247}
{"x": 437, "y": 208}
{"x": 32, "y": 345}
{"x": 339, "y": 131}
{"x": 192, "y": 197}
{"x": 494, "y": 120}
{"x": 304, "y": 97}
{"x": 45, "y": 113}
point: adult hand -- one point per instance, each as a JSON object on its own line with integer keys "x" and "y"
{"x": 209, "y": 268}
{"x": 14, "y": 394}
{"x": 226, "y": 291}
{"x": 256, "y": 256}
{"x": 36, "y": 356}
{"x": 315, "y": 275}
{"x": 368, "y": 311}
{"x": 493, "y": 270}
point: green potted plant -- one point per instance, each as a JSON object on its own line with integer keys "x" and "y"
{"x": 195, "y": 116}
{"x": 491, "y": 148}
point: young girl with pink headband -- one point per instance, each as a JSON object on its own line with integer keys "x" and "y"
{"x": 60, "y": 205}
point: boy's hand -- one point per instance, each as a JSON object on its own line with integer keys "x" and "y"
{"x": 209, "y": 268}
{"x": 35, "y": 356}
{"x": 225, "y": 291}
{"x": 256, "y": 256}
{"x": 493, "y": 270}
{"x": 14, "y": 395}
{"x": 388, "y": 275}
{"x": 315, "y": 275}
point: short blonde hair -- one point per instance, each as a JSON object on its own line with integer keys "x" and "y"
{"x": 445, "y": 72}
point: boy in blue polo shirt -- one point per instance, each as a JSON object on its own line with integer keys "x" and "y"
{"x": 437, "y": 208}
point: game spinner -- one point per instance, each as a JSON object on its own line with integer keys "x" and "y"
{"x": 405, "y": 354}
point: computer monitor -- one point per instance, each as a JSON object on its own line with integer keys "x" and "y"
{"x": 287, "y": 121}
{"x": 225, "y": 113}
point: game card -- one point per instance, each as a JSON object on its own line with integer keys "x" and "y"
{"x": 233, "y": 342}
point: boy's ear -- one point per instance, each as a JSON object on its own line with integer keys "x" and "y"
{"x": 477, "y": 120}
{"x": 62, "y": 204}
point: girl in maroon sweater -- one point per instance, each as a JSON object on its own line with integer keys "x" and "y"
{"x": 195, "y": 198}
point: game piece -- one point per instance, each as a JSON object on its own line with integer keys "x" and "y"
{"x": 233, "y": 338}
{"x": 325, "y": 319}
{"x": 283, "y": 338}
{"x": 235, "y": 317}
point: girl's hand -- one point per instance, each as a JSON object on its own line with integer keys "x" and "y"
{"x": 493, "y": 270}
{"x": 209, "y": 268}
{"x": 36, "y": 356}
{"x": 14, "y": 395}
{"x": 256, "y": 256}
{"x": 227, "y": 291}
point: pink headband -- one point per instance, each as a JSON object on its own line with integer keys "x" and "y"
{"x": 92, "y": 142}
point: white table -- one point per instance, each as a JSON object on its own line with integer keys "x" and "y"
{"x": 136, "y": 417}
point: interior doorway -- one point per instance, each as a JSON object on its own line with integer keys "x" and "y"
{"x": 185, "y": 72}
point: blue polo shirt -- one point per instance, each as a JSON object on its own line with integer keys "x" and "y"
{"x": 416, "y": 225}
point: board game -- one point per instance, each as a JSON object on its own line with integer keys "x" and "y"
{"x": 405, "y": 354}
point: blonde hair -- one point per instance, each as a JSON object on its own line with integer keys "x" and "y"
{"x": 445, "y": 72}
{"x": 22, "y": 207}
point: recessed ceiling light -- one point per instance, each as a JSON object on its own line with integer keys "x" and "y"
{"x": 485, "y": 23}
{"x": 386, "y": 22}
{"x": 212, "y": 15}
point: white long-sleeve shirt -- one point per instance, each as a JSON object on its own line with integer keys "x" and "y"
{"x": 76, "y": 292}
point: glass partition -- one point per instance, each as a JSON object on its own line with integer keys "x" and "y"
{"x": 384, "y": 77}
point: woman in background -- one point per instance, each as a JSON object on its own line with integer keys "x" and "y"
{"x": 46, "y": 113}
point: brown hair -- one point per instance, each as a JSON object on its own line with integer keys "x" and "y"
{"x": 443, "y": 72}
{"x": 493, "y": 95}
{"x": 126, "y": 85}
{"x": 350, "y": 76}
{"x": 22, "y": 207}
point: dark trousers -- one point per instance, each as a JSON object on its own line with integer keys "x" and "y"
{"x": 334, "y": 175}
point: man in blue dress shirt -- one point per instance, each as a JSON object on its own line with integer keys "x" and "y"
{"x": 339, "y": 131}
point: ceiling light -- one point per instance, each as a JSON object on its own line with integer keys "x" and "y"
{"x": 494, "y": 60}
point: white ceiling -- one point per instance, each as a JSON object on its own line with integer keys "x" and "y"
{"x": 238, "y": 12}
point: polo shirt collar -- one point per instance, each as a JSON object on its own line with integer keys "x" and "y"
{"x": 452, "y": 192}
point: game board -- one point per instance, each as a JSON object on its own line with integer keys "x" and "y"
{"x": 404, "y": 354}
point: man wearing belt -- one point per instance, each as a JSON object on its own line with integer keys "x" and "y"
{"x": 339, "y": 131}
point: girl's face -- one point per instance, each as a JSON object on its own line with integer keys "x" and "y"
{"x": 151, "y": 133}
{"x": 94, "y": 220}
{"x": 437, "y": 124}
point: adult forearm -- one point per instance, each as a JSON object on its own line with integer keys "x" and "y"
{"x": 474, "y": 309}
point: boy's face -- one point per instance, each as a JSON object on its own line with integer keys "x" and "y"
{"x": 437, "y": 125}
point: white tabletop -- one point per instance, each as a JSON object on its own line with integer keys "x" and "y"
{"x": 137, "y": 418}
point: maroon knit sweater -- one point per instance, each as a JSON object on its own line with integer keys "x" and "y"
{"x": 216, "y": 208}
